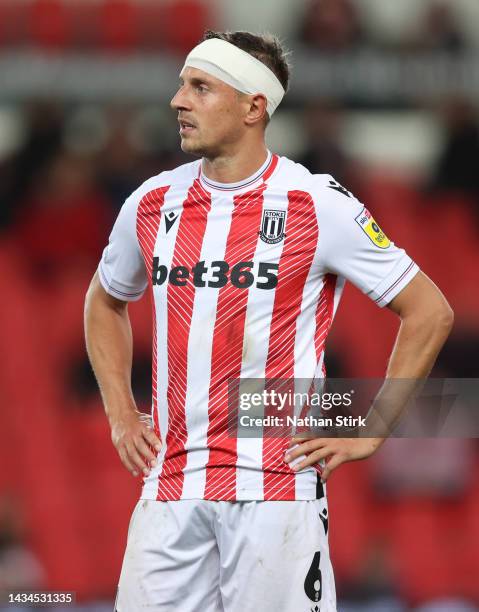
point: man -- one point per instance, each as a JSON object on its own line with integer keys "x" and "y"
{"x": 245, "y": 255}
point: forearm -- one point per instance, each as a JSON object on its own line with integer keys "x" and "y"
{"x": 110, "y": 349}
{"x": 420, "y": 338}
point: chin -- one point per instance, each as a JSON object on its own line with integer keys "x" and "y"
{"x": 191, "y": 148}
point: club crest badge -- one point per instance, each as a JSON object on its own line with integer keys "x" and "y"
{"x": 272, "y": 226}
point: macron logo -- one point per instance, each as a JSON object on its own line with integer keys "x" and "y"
{"x": 170, "y": 218}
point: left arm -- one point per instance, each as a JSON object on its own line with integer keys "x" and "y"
{"x": 426, "y": 321}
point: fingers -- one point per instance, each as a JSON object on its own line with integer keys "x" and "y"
{"x": 145, "y": 451}
{"x": 302, "y": 438}
{"x": 311, "y": 459}
{"x": 335, "y": 451}
{"x": 126, "y": 462}
{"x": 331, "y": 465}
{"x": 136, "y": 442}
{"x": 137, "y": 460}
{"x": 152, "y": 439}
{"x": 305, "y": 448}
{"x": 136, "y": 455}
{"x": 315, "y": 450}
{"x": 140, "y": 452}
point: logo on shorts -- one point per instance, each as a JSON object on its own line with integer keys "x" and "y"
{"x": 272, "y": 226}
{"x": 372, "y": 229}
{"x": 323, "y": 515}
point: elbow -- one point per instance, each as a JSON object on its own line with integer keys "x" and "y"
{"x": 446, "y": 319}
{"x": 439, "y": 320}
{"x": 442, "y": 320}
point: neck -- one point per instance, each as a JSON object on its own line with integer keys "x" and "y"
{"x": 236, "y": 166}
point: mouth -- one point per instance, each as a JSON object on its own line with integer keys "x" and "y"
{"x": 186, "y": 127}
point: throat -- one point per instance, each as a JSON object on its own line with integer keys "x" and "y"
{"x": 234, "y": 170}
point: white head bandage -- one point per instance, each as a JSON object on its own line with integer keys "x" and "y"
{"x": 237, "y": 68}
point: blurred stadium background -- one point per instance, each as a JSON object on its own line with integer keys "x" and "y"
{"x": 385, "y": 98}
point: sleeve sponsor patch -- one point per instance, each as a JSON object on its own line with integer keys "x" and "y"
{"x": 369, "y": 226}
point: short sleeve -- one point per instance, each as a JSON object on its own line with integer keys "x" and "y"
{"x": 352, "y": 245}
{"x": 122, "y": 270}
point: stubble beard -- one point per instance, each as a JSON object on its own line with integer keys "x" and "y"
{"x": 191, "y": 148}
{"x": 198, "y": 150}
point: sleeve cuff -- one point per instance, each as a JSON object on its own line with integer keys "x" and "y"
{"x": 116, "y": 289}
{"x": 395, "y": 282}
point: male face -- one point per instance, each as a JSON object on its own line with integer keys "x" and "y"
{"x": 210, "y": 114}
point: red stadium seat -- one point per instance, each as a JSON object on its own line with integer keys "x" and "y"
{"x": 13, "y": 23}
{"x": 85, "y": 20}
{"x": 118, "y": 25}
{"x": 48, "y": 24}
{"x": 152, "y": 26}
{"x": 46, "y": 482}
{"x": 350, "y": 524}
{"x": 427, "y": 535}
{"x": 184, "y": 24}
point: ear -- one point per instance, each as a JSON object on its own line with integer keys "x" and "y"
{"x": 257, "y": 111}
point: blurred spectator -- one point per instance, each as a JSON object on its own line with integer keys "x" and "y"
{"x": 460, "y": 355}
{"x": 67, "y": 219}
{"x": 331, "y": 26}
{"x": 458, "y": 165}
{"x": 447, "y": 605}
{"x": 439, "y": 31}
{"x": 374, "y": 588}
{"x": 403, "y": 467}
{"x": 19, "y": 567}
{"x": 119, "y": 160}
{"x": 136, "y": 150}
{"x": 81, "y": 388}
{"x": 378, "y": 605}
{"x": 323, "y": 153}
{"x": 44, "y": 124}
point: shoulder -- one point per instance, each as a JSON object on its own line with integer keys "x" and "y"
{"x": 291, "y": 175}
{"x": 168, "y": 179}
{"x": 334, "y": 203}
{"x": 296, "y": 177}
{"x": 330, "y": 197}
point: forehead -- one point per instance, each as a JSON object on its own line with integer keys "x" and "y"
{"x": 190, "y": 74}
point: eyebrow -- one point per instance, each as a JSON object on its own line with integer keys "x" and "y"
{"x": 197, "y": 81}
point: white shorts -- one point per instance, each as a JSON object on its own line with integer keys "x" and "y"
{"x": 218, "y": 556}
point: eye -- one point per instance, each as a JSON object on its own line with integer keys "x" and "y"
{"x": 202, "y": 88}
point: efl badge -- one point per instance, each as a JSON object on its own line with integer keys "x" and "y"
{"x": 372, "y": 229}
{"x": 272, "y": 226}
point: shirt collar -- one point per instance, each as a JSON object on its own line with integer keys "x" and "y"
{"x": 249, "y": 182}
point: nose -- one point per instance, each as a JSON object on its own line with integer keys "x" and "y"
{"x": 180, "y": 101}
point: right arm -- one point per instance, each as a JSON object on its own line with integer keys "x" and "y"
{"x": 110, "y": 349}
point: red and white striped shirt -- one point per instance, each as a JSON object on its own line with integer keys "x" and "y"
{"x": 245, "y": 281}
